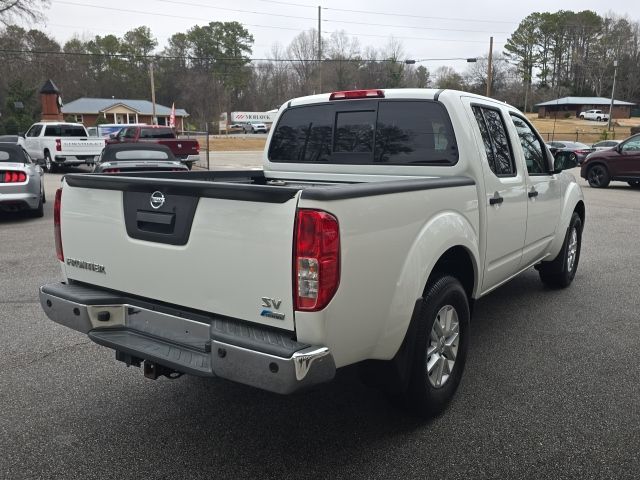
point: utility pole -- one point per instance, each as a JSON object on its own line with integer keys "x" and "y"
{"x": 154, "y": 120}
{"x": 490, "y": 67}
{"x": 320, "y": 49}
{"x": 613, "y": 92}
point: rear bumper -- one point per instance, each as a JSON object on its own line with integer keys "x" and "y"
{"x": 18, "y": 201}
{"x": 73, "y": 160}
{"x": 203, "y": 345}
{"x": 189, "y": 158}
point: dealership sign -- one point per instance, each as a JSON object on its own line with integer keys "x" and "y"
{"x": 243, "y": 117}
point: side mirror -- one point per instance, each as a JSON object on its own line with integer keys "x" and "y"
{"x": 563, "y": 162}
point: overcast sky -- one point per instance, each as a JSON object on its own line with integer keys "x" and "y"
{"x": 427, "y": 30}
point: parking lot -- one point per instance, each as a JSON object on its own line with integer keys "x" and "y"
{"x": 551, "y": 387}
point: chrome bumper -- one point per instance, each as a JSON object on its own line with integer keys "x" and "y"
{"x": 256, "y": 356}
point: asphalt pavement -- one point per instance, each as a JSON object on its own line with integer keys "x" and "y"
{"x": 551, "y": 387}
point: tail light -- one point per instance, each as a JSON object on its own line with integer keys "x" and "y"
{"x": 14, "y": 177}
{"x": 317, "y": 259}
{"x": 353, "y": 94}
{"x": 197, "y": 147}
{"x": 582, "y": 152}
{"x": 57, "y": 205}
{"x": 111, "y": 170}
{"x": 58, "y": 145}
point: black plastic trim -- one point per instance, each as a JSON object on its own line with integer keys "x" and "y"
{"x": 437, "y": 94}
{"x": 371, "y": 189}
{"x": 254, "y": 337}
{"x": 222, "y": 185}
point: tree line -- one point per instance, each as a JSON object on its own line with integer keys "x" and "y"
{"x": 208, "y": 69}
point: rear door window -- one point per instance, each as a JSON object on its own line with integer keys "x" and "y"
{"x": 366, "y": 132}
{"x": 496, "y": 141}
{"x": 156, "y": 133}
{"x": 65, "y": 131}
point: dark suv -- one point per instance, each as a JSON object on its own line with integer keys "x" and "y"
{"x": 620, "y": 163}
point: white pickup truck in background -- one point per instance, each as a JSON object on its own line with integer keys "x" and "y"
{"x": 597, "y": 115}
{"x": 59, "y": 144}
{"x": 381, "y": 216}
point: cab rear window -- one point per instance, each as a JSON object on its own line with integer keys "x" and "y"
{"x": 399, "y": 132}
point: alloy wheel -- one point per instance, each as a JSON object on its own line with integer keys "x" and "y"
{"x": 443, "y": 346}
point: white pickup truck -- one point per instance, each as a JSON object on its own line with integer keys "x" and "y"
{"x": 58, "y": 144}
{"x": 597, "y": 115}
{"x": 381, "y": 216}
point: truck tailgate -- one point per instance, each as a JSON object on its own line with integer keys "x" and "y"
{"x": 216, "y": 248}
{"x": 81, "y": 146}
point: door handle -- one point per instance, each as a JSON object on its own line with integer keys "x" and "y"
{"x": 533, "y": 193}
{"x": 496, "y": 199}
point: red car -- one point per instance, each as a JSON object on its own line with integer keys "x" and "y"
{"x": 620, "y": 163}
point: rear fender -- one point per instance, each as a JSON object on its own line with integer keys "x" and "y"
{"x": 443, "y": 231}
{"x": 572, "y": 199}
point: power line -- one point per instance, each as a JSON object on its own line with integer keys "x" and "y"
{"x": 199, "y": 19}
{"x": 175, "y": 2}
{"x": 128, "y": 56}
{"x": 390, "y": 14}
{"x": 65, "y": 2}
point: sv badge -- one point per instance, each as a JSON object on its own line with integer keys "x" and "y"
{"x": 271, "y": 303}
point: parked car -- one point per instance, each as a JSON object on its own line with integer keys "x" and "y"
{"x": 21, "y": 185}
{"x": 575, "y": 152}
{"x": 379, "y": 218}
{"x": 621, "y": 163}
{"x": 186, "y": 150}
{"x": 597, "y": 115}
{"x": 255, "y": 127}
{"x": 61, "y": 144}
{"x": 136, "y": 157}
{"x": 235, "y": 128}
{"x": 605, "y": 145}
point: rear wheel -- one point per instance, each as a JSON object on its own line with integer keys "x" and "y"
{"x": 598, "y": 176}
{"x": 38, "y": 212}
{"x": 441, "y": 347}
{"x": 581, "y": 117}
{"x": 48, "y": 164}
{"x": 561, "y": 271}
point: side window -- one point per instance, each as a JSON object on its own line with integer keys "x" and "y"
{"x": 128, "y": 133}
{"x": 632, "y": 145}
{"x": 535, "y": 153}
{"x": 34, "y": 131}
{"x": 496, "y": 142}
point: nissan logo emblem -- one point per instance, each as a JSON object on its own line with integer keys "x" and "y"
{"x": 157, "y": 199}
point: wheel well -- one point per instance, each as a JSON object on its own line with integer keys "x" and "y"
{"x": 456, "y": 262}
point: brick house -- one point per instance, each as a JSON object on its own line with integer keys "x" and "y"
{"x": 572, "y": 106}
{"x": 115, "y": 110}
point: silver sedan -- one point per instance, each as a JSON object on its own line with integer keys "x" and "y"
{"x": 21, "y": 185}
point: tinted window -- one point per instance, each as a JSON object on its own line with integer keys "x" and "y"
{"x": 303, "y": 135}
{"x": 415, "y": 132}
{"x": 354, "y": 131}
{"x": 128, "y": 133}
{"x": 405, "y": 132}
{"x": 496, "y": 142}
{"x": 156, "y": 133}
{"x": 34, "y": 131}
{"x": 65, "y": 131}
{"x": 535, "y": 154}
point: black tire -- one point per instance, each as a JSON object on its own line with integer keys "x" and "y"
{"x": 422, "y": 396}
{"x": 48, "y": 164}
{"x": 573, "y": 158}
{"x": 560, "y": 272}
{"x": 598, "y": 119}
{"x": 634, "y": 184}
{"x": 598, "y": 176}
{"x": 581, "y": 117}
{"x": 38, "y": 212}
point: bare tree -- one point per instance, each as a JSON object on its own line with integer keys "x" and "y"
{"x": 29, "y": 10}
